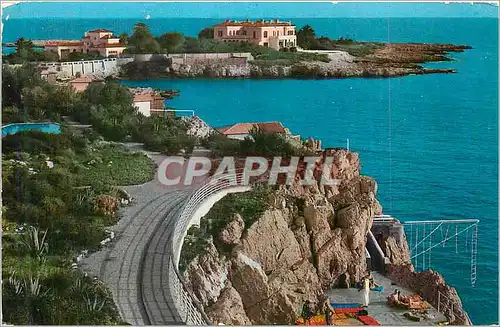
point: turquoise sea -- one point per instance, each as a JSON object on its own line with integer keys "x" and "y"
{"x": 430, "y": 141}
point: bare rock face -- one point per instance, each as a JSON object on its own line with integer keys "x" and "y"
{"x": 231, "y": 234}
{"x": 312, "y": 237}
{"x": 270, "y": 242}
{"x": 207, "y": 275}
{"x": 399, "y": 255}
{"x": 228, "y": 309}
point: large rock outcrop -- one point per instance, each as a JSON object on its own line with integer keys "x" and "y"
{"x": 310, "y": 238}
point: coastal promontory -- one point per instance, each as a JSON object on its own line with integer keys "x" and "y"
{"x": 256, "y": 257}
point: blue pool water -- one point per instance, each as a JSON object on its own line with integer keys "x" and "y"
{"x": 430, "y": 141}
{"x": 51, "y": 128}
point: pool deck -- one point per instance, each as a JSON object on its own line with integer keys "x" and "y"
{"x": 378, "y": 307}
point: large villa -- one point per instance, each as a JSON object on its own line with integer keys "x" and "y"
{"x": 273, "y": 34}
{"x": 100, "y": 40}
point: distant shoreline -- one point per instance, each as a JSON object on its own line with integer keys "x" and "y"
{"x": 388, "y": 60}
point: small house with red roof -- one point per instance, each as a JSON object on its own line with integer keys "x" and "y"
{"x": 240, "y": 131}
{"x": 80, "y": 84}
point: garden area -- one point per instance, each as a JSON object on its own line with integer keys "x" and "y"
{"x": 60, "y": 193}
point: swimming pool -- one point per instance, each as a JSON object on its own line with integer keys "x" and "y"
{"x": 51, "y": 128}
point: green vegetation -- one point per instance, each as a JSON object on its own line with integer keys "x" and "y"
{"x": 175, "y": 42}
{"x": 259, "y": 144}
{"x": 108, "y": 107}
{"x": 250, "y": 205}
{"x": 25, "y": 52}
{"x": 171, "y": 42}
{"x": 52, "y": 210}
{"x": 26, "y": 97}
{"x": 60, "y": 193}
{"x": 112, "y": 166}
{"x": 142, "y": 41}
{"x": 306, "y": 38}
{"x": 206, "y": 33}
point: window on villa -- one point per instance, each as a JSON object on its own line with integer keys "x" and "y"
{"x": 265, "y": 33}
{"x": 254, "y": 35}
{"x": 220, "y": 33}
{"x": 244, "y": 32}
{"x": 266, "y": 44}
{"x": 290, "y": 32}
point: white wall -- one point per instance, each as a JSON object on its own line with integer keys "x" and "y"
{"x": 144, "y": 107}
{"x": 104, "y": 67}
{"x": 238, "y": 136}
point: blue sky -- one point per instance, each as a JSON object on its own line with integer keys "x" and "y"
{"x": 225, "y": 10}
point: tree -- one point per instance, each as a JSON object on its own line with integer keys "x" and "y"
{"x": 206, "y": 33}
{"x": 13, "y": 82}
{"x": 172, "y": 41}
{"x": 24, "y": 48}
{"x": 142, "y": 41}
{"x": 192, "y": 45}
{"x": 124, "y": 38}
{"x": 306, "y": 37}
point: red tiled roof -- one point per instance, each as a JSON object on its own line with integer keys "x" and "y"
{"x": 100, "y": 30}
{"x": 254, "y": 24}
{"x": 245, "y": 128}
{"x": 62, "y": 43}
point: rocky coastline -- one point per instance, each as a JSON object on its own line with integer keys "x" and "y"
{"x": 310, "y": 239}
{"x": 387, "y": 60}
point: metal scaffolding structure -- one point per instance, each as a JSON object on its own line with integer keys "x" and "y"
{"x": 424, "y": 236}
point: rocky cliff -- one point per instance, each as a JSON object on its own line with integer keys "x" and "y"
{"x": 309, "y": 238}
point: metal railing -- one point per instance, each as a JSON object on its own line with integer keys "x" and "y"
{"x": 189, "y": 308}
{"x": 445, "y": 305}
